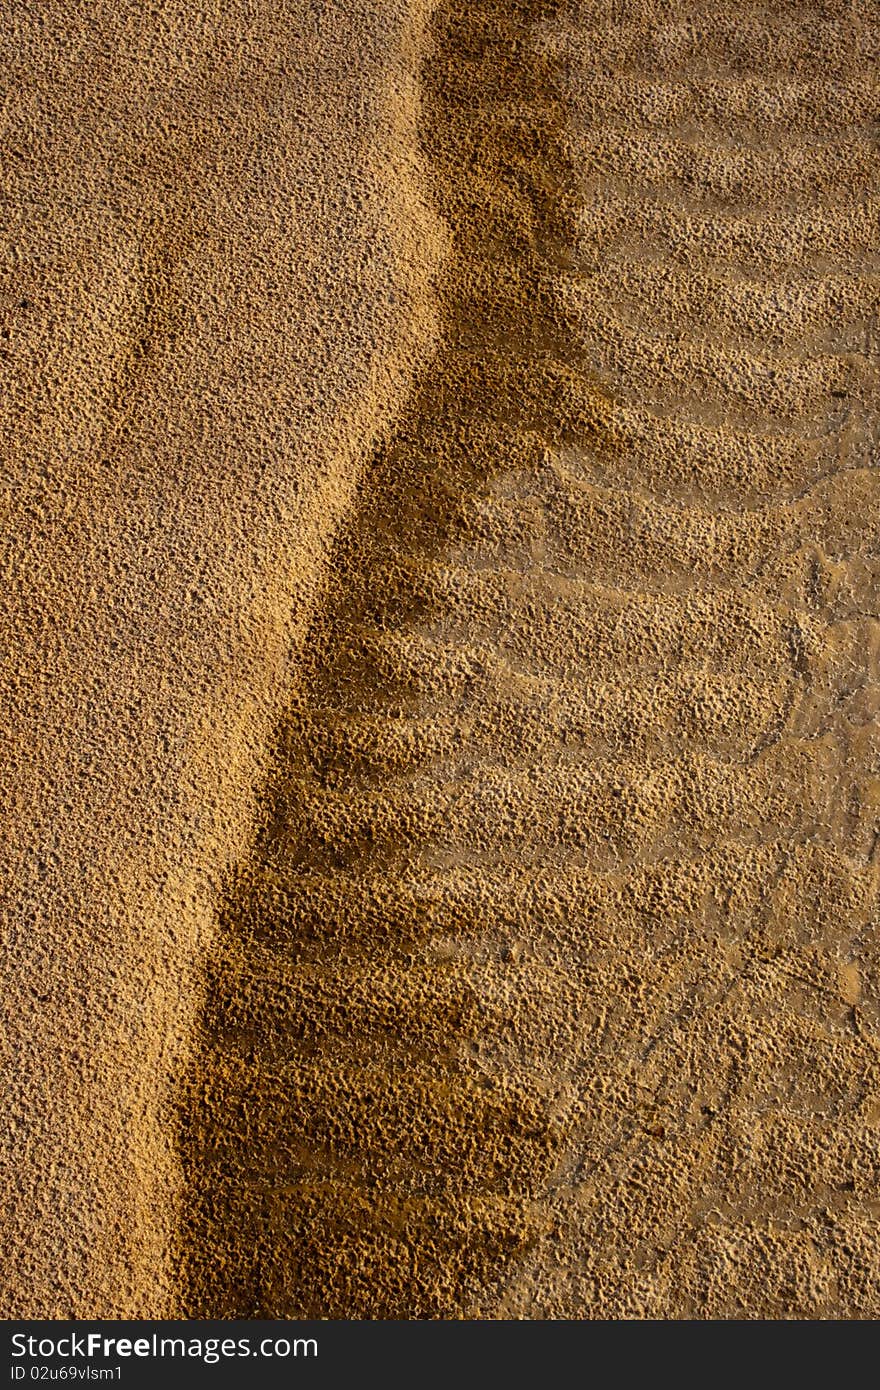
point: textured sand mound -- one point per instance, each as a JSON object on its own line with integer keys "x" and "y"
{"x": 214, "y": 261}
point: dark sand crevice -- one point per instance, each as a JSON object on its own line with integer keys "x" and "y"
{"x": 365, "y": 1138}
{"x": 548, "y": 988}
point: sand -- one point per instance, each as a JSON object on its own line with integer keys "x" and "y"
{"x": 441, "y": 804}
{"x": 216, "y": 257}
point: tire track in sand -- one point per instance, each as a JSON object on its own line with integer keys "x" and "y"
{"x": 549, "y": 988}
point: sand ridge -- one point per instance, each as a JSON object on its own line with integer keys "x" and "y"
{"x": 548, "y": 989}
{"x": 215, "y": 258}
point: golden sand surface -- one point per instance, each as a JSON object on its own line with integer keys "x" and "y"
{"x": 215, "y": 257}
{"x": 454, "y": 884}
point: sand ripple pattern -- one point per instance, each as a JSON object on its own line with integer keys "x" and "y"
{"x": 550, "y": 989}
